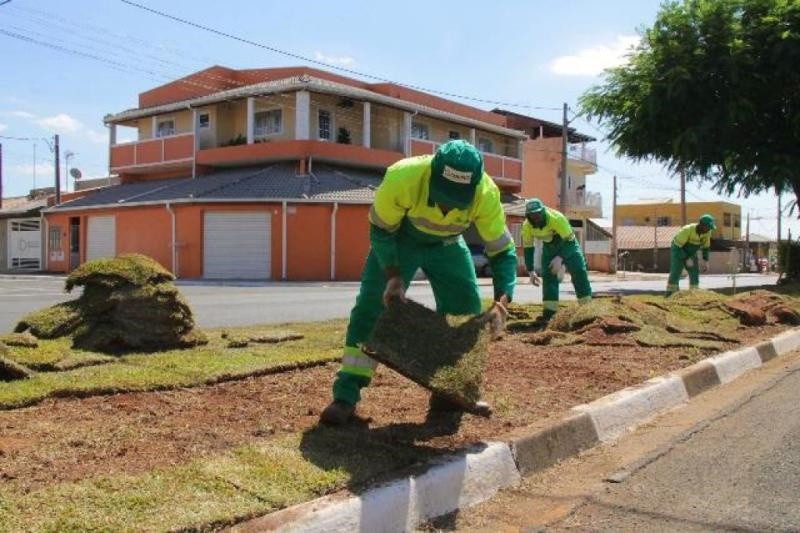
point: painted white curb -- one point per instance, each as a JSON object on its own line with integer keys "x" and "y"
{"x": 618, "y": 412}
{"x": 457, "y": 482}
{"x": 731, "y": 365}
{"x": 786, "y": 342}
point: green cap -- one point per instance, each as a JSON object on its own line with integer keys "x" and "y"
{"x": 534, "y": 205}
{"x": 708, "y": 220}
{"x": 456, "y": 170}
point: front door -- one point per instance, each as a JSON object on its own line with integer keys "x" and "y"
{"x": 74, "y": 243}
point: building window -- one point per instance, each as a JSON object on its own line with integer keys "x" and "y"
{"x": 268, "y": 123}
{"x": 325, "y": 125}
{"x": 54, "y": 238}
{"x": 204, "y": 119}
{"x": 737, "y": 221}
{"x": 485, "y": 145}
{"x": 420, "y": 131}
{"x": 726, "y": 217}
{"x": 165, "y": 128}
{"x": 664, "y": 221}
{"x": 454, "y": 135}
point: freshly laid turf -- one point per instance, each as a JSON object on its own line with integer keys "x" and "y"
{"x": 444, "y": 354}
{"x": 209, "y": 492}
{"x": 64, "y": 371}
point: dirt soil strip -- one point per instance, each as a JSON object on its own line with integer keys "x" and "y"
{"x": 67, "y": 440}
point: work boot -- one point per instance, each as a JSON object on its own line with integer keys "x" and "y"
{"x": 442, "y": 404}
{"x": 337, "y": 413}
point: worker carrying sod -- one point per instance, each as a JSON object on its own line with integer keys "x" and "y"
{"x": 683, "y": 252}
{"x": 548, "y": 240}
{"x": 421, "y": 209}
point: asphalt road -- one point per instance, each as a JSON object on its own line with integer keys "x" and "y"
{"x": 238, "y": 304}
{"x": 742, "y": 473}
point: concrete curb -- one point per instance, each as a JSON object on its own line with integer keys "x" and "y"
{"x": 475, "y": 476}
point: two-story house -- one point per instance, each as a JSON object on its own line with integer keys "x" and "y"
{"x": 264, "y": 173}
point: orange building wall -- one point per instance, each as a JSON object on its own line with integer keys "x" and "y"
{"x": 542, "y": 162}
{"x": 308, "y": 242}
{"x": 352, "y": 241}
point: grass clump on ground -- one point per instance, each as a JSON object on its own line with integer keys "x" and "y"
{"x": 128, "y": 303}
{"x": 444, "y": 354}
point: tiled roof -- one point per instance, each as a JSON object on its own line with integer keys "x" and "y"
{"x": 20, "y": 205}
{"x": 274, "y": 182}
{"x": 641, "y": 237}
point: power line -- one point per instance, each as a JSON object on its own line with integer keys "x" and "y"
{"x": 313, "y": 61}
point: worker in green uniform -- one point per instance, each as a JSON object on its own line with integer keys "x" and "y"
{"x": 683, "y": 252}
{"x": 548, "y": 239}
{"x": 421, "y": 209}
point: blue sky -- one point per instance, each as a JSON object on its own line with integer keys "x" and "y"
{"x": 533, "y": 53}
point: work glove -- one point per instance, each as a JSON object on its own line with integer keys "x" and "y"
{"x": 557, "y": 267}
{"x": 704, "y": 266}
{"x": 690, "y": 263}
{"x": 496, "y": 317}
{"x": 535, "y": 279}
{"x": 395, "y": 290}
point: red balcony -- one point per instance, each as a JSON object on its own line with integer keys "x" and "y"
{"x": 287, "y": 150}
{"x": 153, "y": 154}
{"x": 504, "y": 170}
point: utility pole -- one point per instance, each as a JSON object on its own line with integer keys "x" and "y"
{"x": 614, "y": 260}
{"x": 683, "y": 197}
{"x": 747, "y": 242}
{"x": 779, "y": 219}
{"x": 58, "y": 169}
{"x": 655, "y": 238}
{"x": 564, "y": 136}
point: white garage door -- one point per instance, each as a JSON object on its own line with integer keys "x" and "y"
{"x": 236, "y": 245}
{"x": 101, "y": 237}
{"x": 24, "y": 244}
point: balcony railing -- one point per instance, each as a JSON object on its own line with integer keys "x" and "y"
{"x": 148, "y": 153}
{"x": 505, "y": 170}
{"x": 589, "y": 202}
{"x": 582, "y": 154}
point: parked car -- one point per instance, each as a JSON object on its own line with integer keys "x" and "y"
{"x": 480, "y": 260}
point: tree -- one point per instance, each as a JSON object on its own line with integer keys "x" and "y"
{"x": 713, "y": 89}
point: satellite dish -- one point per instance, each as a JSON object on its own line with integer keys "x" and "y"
{"x": 75, "y": 173}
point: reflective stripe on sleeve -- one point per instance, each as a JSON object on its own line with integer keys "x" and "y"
{"x": 499, "y": 244}
{"x": 378, "y": 221}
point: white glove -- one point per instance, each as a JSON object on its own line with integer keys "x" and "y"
{"x": 558, "y": 268}
{"x": 704, "y": 266}
{"x": 690, "y": 263}
{"x": 535, "y": 279}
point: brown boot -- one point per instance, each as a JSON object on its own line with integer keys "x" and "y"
{"x": 337, "y": 413}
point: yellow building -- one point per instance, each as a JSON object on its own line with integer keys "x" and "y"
{"x": 667, "y": 212}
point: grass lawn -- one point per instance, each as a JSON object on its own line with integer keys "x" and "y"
{"x": 67, "y": 372}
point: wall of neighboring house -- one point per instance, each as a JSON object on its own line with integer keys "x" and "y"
{"x": 643, "y": 215}
{"x": 350, "y": 117}
{"x": 146, "y": 230}
{"x": 542, "y": 160}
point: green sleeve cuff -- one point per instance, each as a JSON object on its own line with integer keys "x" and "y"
{"x": 705, "y": 254}
{"x": 384, "y": 244}
{"x": 528, "y": 254}
{"x": 504, "y": 273}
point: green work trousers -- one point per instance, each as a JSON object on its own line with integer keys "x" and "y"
{"x": 449, "y": 268}
{"x": 571, "y": 254}
{"x": 677, "y": 262}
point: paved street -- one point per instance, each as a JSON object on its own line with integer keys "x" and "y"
{"x": 729, "y": 460}
{"x": 236, "y": 304}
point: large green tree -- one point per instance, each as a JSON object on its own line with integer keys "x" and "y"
{"x": 713, "y": 89}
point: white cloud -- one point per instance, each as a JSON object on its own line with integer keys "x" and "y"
{"x": 96, "y": 137}
{"x": 22, "y": 114}
{"x": 60, "y": 123}
{"x": 345, "y": 61}
{"x": 42, "y": 169}
{"x": 3, "y": 127}
{"x": 595, "y": 59}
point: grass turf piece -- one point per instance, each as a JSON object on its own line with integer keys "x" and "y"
{"x": 52, "y": 322}
{"x": 19, "y": 339}
{"x": 11, "y": 370}
{"x": 444, "y": 354}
